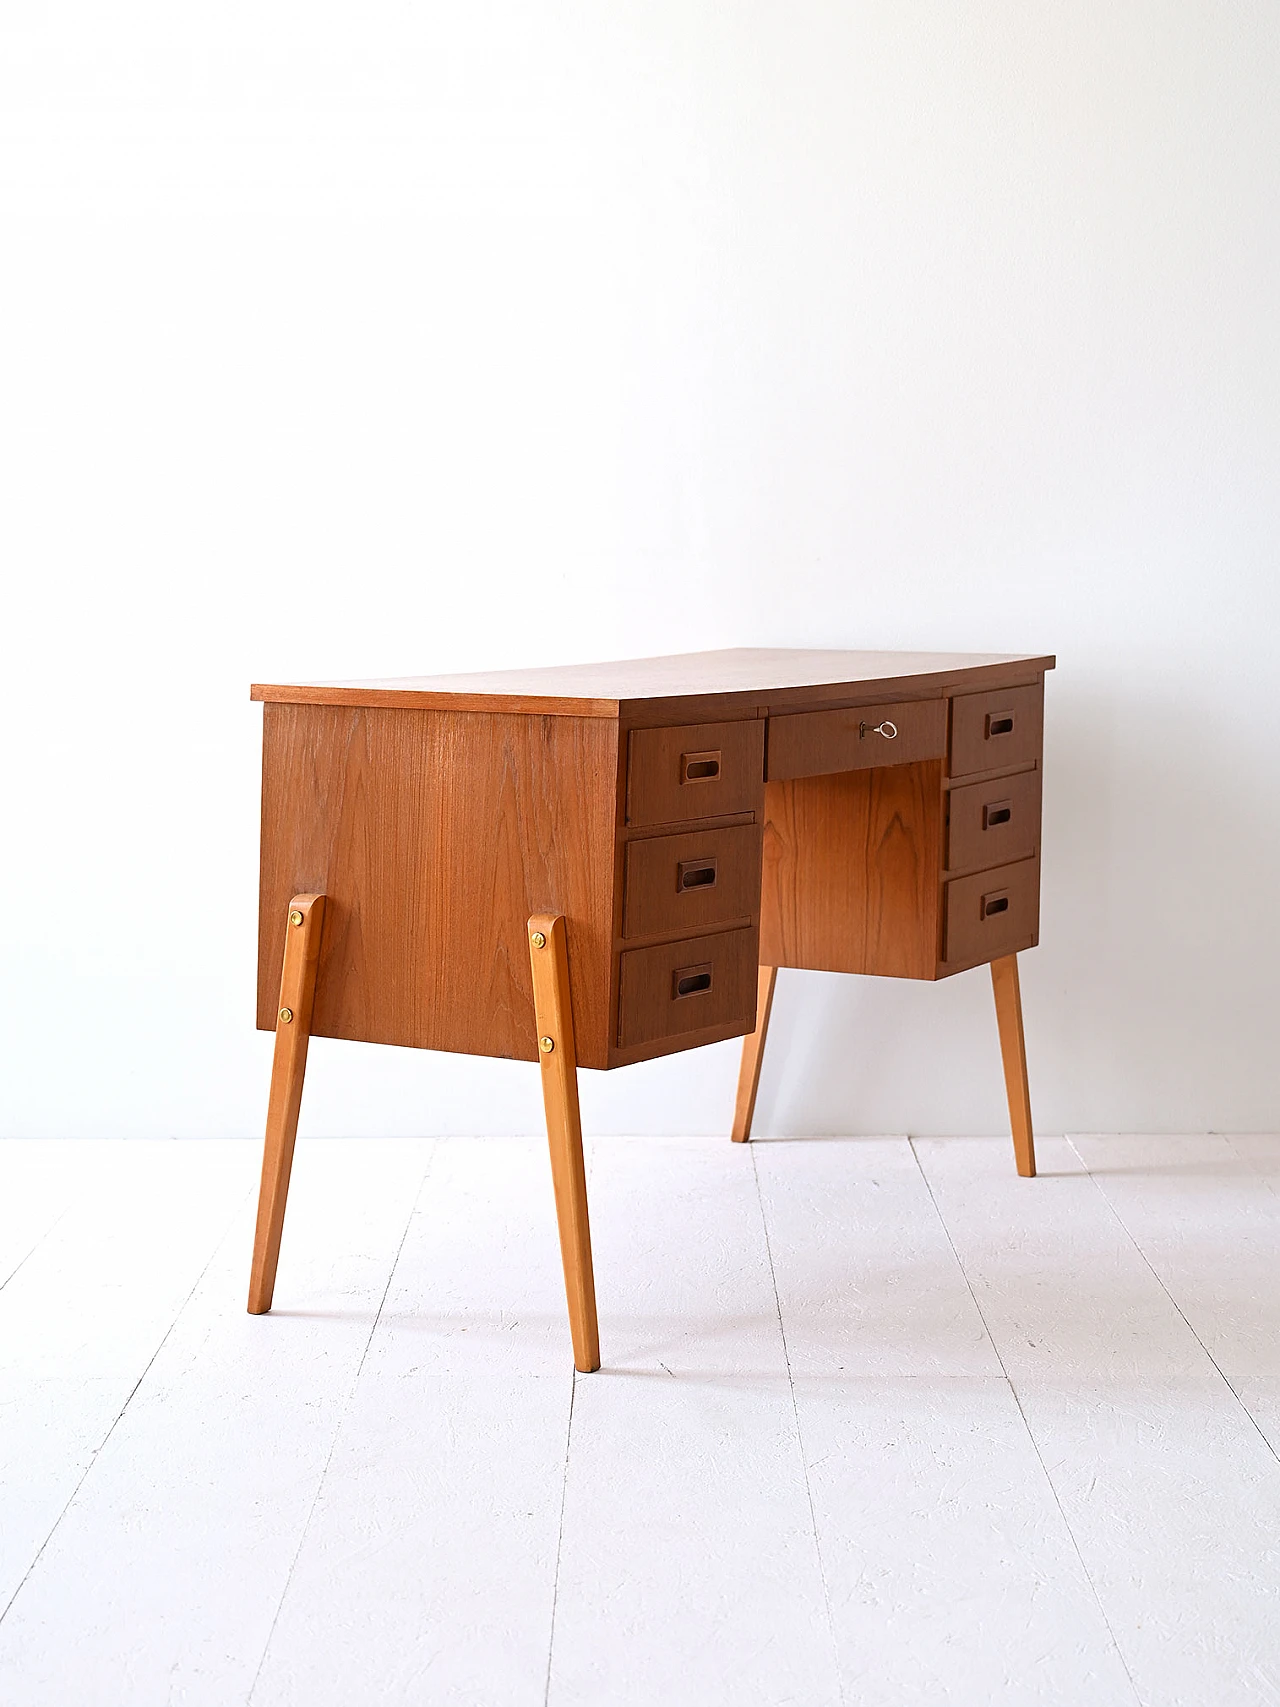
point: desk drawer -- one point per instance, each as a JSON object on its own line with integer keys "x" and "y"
{"x": 993, "y": 823}
{"x": 991, "y": 730}
{"x": 703, "y": 770}
{"x": 992, "y": 913}
{"x": 679, "y": 987}
{"x": 818, "y": 743}
{"x": 703, "y": 877}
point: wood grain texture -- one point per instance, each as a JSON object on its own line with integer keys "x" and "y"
{"x": 816, "y": 743}
{"x": 744, "y": 1107}
{"x": 435, "y": 835}
{"x": 661, "y": 786}
{"x": 851, "y": 872}
{"x": 549, "y": 962}
{"x": 996, "y": 729}
{"x": 304, "y": 921}
{"x": 739, "y": 678}
{"x": 700, "y": 877}
{"x": 1013, "y": 1051}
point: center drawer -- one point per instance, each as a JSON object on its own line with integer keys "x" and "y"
{"x": 701, "y": 877}
{"x": 855, "y": 738}
{"x": 678, "y": 987}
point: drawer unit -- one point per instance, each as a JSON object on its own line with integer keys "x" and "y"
{"x": 993, "y": 823}
{"x": 701, "y": 877}
{"x": 992, "y": 913}
{"x": 678, "y": 987}
{"x": 860, "y": 737}
{"x": 703, "y": 770}
{"x": 992, "y": 730}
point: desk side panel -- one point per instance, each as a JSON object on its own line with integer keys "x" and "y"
{"x": 435, "y": 835}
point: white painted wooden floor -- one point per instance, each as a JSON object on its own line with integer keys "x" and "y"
{"x": 878, "y": 1423}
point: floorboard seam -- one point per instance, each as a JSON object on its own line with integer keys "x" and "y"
{"x": 52, "y": 1227}
{"x": 555, "y": 1581}
{"x": 804, "y": 1457}
{"x": 115, "y": 1421}
{"x": 337, "y": 1428}
{"x": 1035, "y": 1444}
{"x": 1182, "y": 1316}
{"x": 1267, "y": 1178}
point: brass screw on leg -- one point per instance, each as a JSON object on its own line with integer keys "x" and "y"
{"x": 538, "y": 940}
{"x": 546, "y": 1044}
{"x": 295, "y": 917}
{"x": 286, "y": 1014}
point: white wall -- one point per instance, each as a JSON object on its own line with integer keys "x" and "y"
{"x": 377, "y": 340}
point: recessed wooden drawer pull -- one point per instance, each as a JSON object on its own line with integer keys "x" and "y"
{"x": 887, "y": 729}
{"x": 983, "y": 832}
{"x": 700, "y": 770}
{"x": 682, "y": 882}
{"x": 998, "y": 902}
{"x": 1001, "y": 729}
{"x": 676, "y": 989}
{"x": 696, "y": 874}
{"x": 699, "y": 767}
{"x": 691, "y": 981}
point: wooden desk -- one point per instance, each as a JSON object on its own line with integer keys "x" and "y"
{"x": 595, "y": 865}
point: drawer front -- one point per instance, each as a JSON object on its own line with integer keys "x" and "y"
{"x": 678, "y": 987}
{"x": 990, "y": 730}
{"x": 702, "y": 877}
{"x": 704, "y": 770}
{"x": 993, "y": 823}
{"x": 993, "y": 913}
{"x": 860, "y": 737}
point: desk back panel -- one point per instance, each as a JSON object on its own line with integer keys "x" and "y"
{"x": 851, "y": 863}
{"x": 434, "y": 835}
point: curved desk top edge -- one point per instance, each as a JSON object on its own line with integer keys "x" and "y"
{"x": 739, "y": 678}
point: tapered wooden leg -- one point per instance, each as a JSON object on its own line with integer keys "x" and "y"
{"x": 548, "y": 951}
{"x": 752, "y": 1054}
{"x": 1004, "y": 982}
{"x": 293, "y": 1033}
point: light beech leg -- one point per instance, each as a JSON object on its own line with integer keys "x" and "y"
{"x": 548, "y": 953}
{"x": 1004, "y": 982}
{"x": 752, "y": 1053}
{"x": 293, "y": 1033}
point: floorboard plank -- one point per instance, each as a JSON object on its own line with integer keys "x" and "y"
{"x": 1262, "y": 1152}
{"x": 867, "y": 1281}
{"x": 39, "y": 1182}
{"x": 161, "y": 1581}
{"x": 84, "y": 1315}
{"x": 428, "y": 1568}
{"x": 689, "y": 1572}
{"x": 953, "y": 1577}
{"x": 1172, "y": 1496}
{"x": 1206, "y": 1219}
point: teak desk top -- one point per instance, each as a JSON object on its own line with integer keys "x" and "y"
{"x": 742, "y": 680}
{"x": 593, "y": 865}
